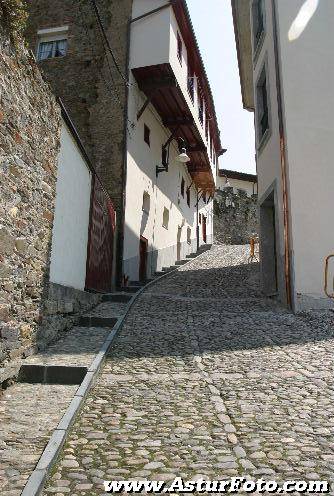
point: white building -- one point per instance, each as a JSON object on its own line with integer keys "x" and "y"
{"x": 287, "y": 75}
{"x": 239, "y": 181}
{"x": 167, "y": 214}
{"x": 135, "y": 132}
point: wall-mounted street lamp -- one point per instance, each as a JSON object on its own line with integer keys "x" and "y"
{"x": 182, "y": 157}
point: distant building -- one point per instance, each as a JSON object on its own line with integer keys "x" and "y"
{"x": 287, "y": 76}
{"x": 239, "y": 181}
{"x": 133, "y": 81}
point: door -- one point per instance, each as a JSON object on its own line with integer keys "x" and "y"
{"x": 268, "y": 246}
{"x": 178, "y": 244}
{"x": 204, "y": 228}
{"x": 100, "y": 241}
{"x": 143, "y": 258}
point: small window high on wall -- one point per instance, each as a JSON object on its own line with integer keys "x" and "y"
{"x": 258, "y": 22}
{"x": 262, "y": 111}
{"x": 179, "y": 47}
{"x": 147, "y": 135}
{"x": 189, "y": 235}
{"x": 165, "y": 218}
{"x": 182, "y": 187}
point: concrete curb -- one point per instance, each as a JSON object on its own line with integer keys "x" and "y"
{"x": 35, "y": 483}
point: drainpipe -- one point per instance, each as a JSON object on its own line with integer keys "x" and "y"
{"x": 121, "y": 233}
{"x": 287, "y": 261}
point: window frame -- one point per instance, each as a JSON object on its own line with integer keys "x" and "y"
{"x": 263, "y": 136}
{"x": 54, "y": 36}
{"x": 258, "y": 36}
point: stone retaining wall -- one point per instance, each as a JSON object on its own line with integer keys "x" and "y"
{"x": 235, "y": 217}
{"x": 32, "y": 312}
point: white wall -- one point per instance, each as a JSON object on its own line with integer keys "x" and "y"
{"x": 308, "y": 81}
{"x": 268, "y": 152}
{"x": 164, "y": 192}
{"x": 150, "y": 35}
{"x": 236, "y": 184}
{"x": 153, "y": 42}
{"x": 71, "y": 220}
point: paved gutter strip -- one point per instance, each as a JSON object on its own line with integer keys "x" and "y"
{"x": 36, "y": 481}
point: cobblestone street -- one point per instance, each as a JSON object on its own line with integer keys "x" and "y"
{"x": 207, "y": 379}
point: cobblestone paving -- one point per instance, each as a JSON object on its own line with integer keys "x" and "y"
{"x": 28, "y": 413}
{"x": 207, "y": 379}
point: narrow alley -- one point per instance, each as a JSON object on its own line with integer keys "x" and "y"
{"x": 207, "y": 379}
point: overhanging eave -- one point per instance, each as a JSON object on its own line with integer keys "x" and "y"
{"x": 242, "y": 32}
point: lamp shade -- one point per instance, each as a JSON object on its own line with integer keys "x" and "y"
{"x": 183, "y": 157}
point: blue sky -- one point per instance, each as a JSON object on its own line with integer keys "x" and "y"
{"x": 212, "y": 20}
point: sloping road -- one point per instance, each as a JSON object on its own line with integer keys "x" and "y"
{"x": 207, "y": 379}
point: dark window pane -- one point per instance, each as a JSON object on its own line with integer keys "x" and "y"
{"x": 179, "y": 47}
{"x": 45, "y": 50}
{"x": 60, "y": 49}
{"x": 147, "y": 133}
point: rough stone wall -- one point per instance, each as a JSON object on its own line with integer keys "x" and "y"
{"x": 235, "y": 217}
{"x": 29, "y": 145}
{"x": 86, "y": 79}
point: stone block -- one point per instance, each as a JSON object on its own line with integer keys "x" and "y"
{"x": 21, "y": 245}
{"x": 5, "y": 271}
{"x": 7, "y": 242}
{"x": 51, "y": 307}
{"x": 26, "y": 331}
{"x": 10, "y": 334}
{"x": 4, "y": 312}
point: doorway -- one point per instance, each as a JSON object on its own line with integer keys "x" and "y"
{"x": 178, "y": 244}
{"x": 268, "y": 246}
{"x": 204, "y": 228}
{"x": 143, "y": 244}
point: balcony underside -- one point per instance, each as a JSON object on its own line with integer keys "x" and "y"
{"x": 160, "y": 87}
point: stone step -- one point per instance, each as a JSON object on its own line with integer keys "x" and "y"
{"x": 129, "y": 289}
{"x": 140, "y": 283}
{"x": 192, "y": 255}
{"x": 181, "y": 262}
{"x": 117, "y": 297}
{"x": 91, "y": 321}
{"x": 52, "y": 374}
{"x": 159, "y": 273}
{"x": 168, "y": 269}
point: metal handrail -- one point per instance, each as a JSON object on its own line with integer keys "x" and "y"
{"x": 330, "y": 295}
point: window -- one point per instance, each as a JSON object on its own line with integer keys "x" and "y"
{"x": 262, "y": 114}
{"x": 188, "y": 197}
{"x": 146, "y": 202}
{"x": 51, "y": 49}
{"x": 200, "y": 109}
{"x": 179, "y": 48}
{"x": 191, "y": 84}
{"x": 200, "y": 218}
{"x": 147, "y": 133}
{"x": 165, "y": 218}
{"x": 189, "y": 235}
{"x": 164, "y": 156}
{"x": 182, "y": 187}
{"x": 258, "y": 22}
